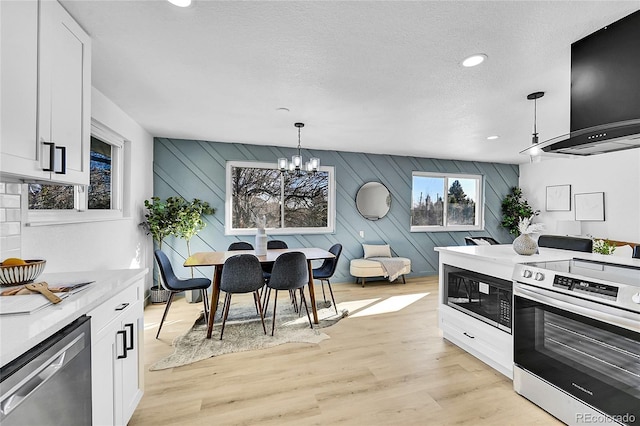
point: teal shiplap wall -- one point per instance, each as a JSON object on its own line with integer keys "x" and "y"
{"x": 196, "y": 169}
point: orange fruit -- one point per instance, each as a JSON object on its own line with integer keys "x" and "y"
{"x": 13, "y": 261}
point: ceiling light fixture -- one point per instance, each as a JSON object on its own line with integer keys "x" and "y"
{"x": 180, "y": 3}
{"x": 474, "y": 60}
{"x": 493, "y": 137}
{"x": 534, "y": 138}
{"x": 313, "y": 165}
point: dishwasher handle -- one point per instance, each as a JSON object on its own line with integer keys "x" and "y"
{"x": 30, "y": 384}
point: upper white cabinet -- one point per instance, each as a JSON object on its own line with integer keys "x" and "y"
{"x": 45, "y": 93}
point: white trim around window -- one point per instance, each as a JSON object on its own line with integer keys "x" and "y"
{"x": 448, "y": 179}
{"x": 331, "y": 211}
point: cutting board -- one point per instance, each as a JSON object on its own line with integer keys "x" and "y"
{"x": 29, "y": 303}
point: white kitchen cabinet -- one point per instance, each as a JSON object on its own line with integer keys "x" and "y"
{"x": 45, "y": 93}
{"x": 116, "y": 364}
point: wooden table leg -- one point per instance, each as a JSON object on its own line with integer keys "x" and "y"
{"x": 215, "y": 295}
{"x": 312, "y": 293}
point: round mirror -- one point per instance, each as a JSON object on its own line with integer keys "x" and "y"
{"x": 373, "y": 200}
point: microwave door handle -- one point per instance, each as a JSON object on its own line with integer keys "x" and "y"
{"x": 602, "y": 313}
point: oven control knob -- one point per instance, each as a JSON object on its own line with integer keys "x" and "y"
{"x": 527, "y": 273}
{"x": 539, "y": 276}
{"x": 636, "y": 298}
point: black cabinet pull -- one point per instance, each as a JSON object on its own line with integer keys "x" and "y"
{"x": 122, "y": 306}
{"x": 123, "y": 333}
{"x": 130, "y": 327}
{"x": 63, "y": 160}
{"x": 52, "y": 156}
{"x": 468, "y": 335}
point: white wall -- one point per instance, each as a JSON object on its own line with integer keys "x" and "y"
{"x": 617, "y": 174}
{"x": 117, "y": 244}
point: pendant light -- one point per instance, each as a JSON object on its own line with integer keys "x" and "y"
{"x": 295, "y": 166}
{"x": 534, "y": 137}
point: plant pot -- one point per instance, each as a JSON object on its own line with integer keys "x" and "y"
{"x": 525, "y": 245}
{"x": 159, "y": 294}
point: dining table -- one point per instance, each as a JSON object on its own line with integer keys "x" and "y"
{"x": 217, "y": 259}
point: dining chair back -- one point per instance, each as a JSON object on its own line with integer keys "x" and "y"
{"x": 566, "y": 243}
{"x": 241, "y": 274}
{"x": 636, "y": 252}
{"x": 176, "y": 285}
{"x": 326, "y": 271}
{"x": 276, "y": 244}
{"x": 240, "y": 245}
{"x": 290, "y": 272}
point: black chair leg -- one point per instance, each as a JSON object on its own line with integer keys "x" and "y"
{"x": 205, "y": 302}
{"x": 164, "y": 315}
{"x": 275, "y": 302}
{"x": 323, "y": 295}
{"x": 256, "y": 299}
{"x": 333, "y": 300}
{"x": 403, "y": 280}
{"x": 225, "y": 309}
{"x": 304, "y": 300}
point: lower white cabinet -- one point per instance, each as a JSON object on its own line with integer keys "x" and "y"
{"x": 116, "y": 357}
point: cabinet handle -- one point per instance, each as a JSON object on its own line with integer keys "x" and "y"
{"x": 52, "y": 156}
{"x": 123, "y": 333}
{"x": 121, "y": 306}
{"x": 468, "y": 335}
{"x": 130, "y": 327}
{"x": 63, "y": 161}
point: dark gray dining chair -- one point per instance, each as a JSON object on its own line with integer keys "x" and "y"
{"x": 291, "y": 273}
{"x": 566, "y": 243}
{"x": 636, "y": 252}
{"x": 276, "y": 244}
{"x": 241, "y": 274}
{"x": 240, "y": 245}
{"x": 326, "y": 271}
{"x": 176, "y": 285}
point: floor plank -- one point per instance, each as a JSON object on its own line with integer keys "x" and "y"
{"x": 389, "y": 368}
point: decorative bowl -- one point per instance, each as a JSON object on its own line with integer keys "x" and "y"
{"x": 21, "y": 274}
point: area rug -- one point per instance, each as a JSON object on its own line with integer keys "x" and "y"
{"x": 243, "y": 332}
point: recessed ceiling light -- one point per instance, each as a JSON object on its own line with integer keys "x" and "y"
{"x": 474, "y": 60}
{"x": 180, "y": 3}
{"x": 492, "y": 137}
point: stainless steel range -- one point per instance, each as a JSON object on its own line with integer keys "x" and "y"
{"x": 577, "y": 340}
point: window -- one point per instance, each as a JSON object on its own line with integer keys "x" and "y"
{"x": 290, "y": 204}
{"x": 446, "y": 202}
{"x": 101, "y": 199}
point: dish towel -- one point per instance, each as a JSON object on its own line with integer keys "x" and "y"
{"x": 392, "y": 266}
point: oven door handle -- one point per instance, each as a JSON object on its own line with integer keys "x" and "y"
{"x": 599, "y": 312}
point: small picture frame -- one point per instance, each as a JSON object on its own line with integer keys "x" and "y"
{"x": 558, "y": 198}
{"x": 590, "y": 206}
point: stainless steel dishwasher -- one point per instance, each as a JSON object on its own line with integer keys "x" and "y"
{"x": 51, "y": 383}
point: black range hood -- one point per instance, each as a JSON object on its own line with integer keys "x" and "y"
{"x": 605, "y": 92}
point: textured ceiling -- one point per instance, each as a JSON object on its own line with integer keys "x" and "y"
{"x": 376, "y": 77}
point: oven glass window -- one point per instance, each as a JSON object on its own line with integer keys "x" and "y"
{"x": 596, "y": 362}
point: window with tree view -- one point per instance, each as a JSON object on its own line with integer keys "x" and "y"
{"x": 289, "y": 203}
{"x": 446, "y": 202}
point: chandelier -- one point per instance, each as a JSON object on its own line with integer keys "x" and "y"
{"x": 295, "y": 166}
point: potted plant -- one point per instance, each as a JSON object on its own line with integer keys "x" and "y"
{"x": 515, "y": 208}
{"x": 176, "y": 217}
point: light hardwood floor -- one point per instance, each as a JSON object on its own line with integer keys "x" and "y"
{"x": 386, "y": 369}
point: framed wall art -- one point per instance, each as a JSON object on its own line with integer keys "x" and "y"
{"x": 590, "y": 206}
{"x": 558, "y": 198}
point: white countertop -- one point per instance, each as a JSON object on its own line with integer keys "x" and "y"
{"x": 20, "y": 332}
{"x": 504, "y": 253}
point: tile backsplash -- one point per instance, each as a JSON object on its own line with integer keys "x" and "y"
{"x": 10, "y": 220}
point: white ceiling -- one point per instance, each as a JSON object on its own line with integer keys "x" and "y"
{"x": 375, "y": 77}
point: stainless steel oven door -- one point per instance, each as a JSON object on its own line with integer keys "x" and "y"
{"x": 588, "y": 350}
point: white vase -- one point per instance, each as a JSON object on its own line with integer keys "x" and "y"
{"x": 261, "y": 242}
{"x": 525, "y": 245}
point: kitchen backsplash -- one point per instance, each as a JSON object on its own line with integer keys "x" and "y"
{"x": 10, "y": 220}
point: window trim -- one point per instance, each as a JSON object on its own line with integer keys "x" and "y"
{"x": 331, "y": 219}
{"x": 80, "y": 213}
{"x": 480, "y": 185}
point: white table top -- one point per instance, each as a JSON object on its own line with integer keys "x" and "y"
{"x": 20, "y": 332}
